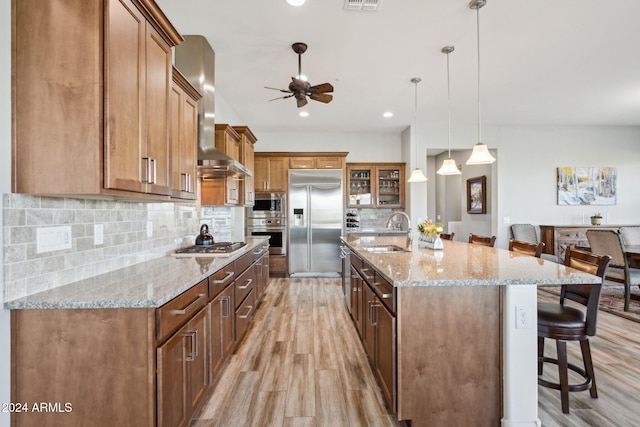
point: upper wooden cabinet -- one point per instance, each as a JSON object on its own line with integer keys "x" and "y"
{"x": 224, "y": 191}
{"x": 247, "y": 141}
{"x": 375, "y": 185}
{"x": 183, "y": 139}
{"x": 271, "y": 173}
{"x": 91, "y": 98}
{"x": 316, "y": 162}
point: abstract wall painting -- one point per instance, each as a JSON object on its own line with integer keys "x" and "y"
{"x": 593, "y": 186}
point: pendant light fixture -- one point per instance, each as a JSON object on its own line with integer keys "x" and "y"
{"x": 449, "y": 166}
{"x": 480, "y": 154}
{"x": 417, "y": 175}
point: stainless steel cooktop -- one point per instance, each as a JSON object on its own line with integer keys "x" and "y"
{"x": 219, "y": 249}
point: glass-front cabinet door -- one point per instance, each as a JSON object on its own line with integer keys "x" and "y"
{"x": 361, "y": 192}
{"x": 389, "y": 187}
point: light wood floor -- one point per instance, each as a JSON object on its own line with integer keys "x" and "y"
{"x": 301, "y": 364}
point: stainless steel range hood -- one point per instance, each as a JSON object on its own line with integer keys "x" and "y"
{"x": 196, "y": 61}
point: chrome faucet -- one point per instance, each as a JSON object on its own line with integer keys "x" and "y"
{"x": 401, "y": 213}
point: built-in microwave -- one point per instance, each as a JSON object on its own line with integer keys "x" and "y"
{"x": 268, "y": 205}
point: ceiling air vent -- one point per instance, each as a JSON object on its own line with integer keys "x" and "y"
{"x": 362, "y": 4}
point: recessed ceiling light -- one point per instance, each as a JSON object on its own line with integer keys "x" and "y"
{"x": 387, "y": 114}
{"x": 303, "y": 114}
{"x": 296, "y": 2}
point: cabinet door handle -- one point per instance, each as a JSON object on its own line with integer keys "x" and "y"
{"x": 244, "y": 316}
{"x": 194, "y": 346}
{"x": 184, "y": 182}
{"x": 227, "y": 306}
{"x": 147, "y": 170}
{"x": 188, "y": 307}
{"x": 249, "y": 281}
{"x": 224, "y": 280}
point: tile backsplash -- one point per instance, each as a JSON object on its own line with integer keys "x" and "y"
{"x": 133, "y": 232}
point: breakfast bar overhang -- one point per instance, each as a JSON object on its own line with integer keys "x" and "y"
{"x": 466, "y": 334}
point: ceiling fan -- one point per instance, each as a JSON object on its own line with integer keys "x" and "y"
{"x": 300, "y": 89}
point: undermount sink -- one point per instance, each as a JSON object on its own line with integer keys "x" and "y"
{"x": 384, "y": 248}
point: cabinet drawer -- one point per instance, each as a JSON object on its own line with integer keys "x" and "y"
{"x": 245, "y": 283}
{"x": 302, "y": 163}
{"x": 219, "y": 281}
{"x": 244, "y": 313}
{"x": 385, "y": 292}
{"x": 179, "y": 310}
{"x": 367, "y": 272}
{"x": 356, "y": 262}
{"x": 242, "y": 263}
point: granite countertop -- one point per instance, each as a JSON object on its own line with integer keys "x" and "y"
{"x": 381, "y": 231}
{"x": 463, "y": 264}
{"x": 146, "y": 285}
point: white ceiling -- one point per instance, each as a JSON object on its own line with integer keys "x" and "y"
{"x": 543, "y": 62}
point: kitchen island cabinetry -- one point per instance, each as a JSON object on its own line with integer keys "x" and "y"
{"x": 183, "y": 137}
{"x": 106, "y": 106}
{"x": 116, "y": 355}
{"x": 445, "y": 333}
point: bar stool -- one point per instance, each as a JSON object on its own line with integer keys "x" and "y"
{"x": 482, "y": 240}
{"x": 566, "y": 323}
{"x": 533, "y": 249}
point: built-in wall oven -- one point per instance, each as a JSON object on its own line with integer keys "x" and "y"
{"x": 274, "y": 228}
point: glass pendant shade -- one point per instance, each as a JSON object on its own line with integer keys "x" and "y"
{"x": 449, "y": 167}
{"x": 480, "y": 155}
{"x": 417, "y": 176}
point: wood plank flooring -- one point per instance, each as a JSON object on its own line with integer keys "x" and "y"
{"x": 301, "y": 364}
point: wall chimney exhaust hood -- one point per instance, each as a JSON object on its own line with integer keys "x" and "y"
{"x": 196, "y": 61}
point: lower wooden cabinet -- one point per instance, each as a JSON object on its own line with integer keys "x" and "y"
{"x": 221, "y": 321}
{"x": 182, "y": 371}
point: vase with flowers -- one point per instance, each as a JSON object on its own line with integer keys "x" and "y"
{"x": 430, "y": 234}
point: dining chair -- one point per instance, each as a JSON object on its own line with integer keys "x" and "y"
{"x": 447, "y": 236}
{"x": 609, "y": 242}
{"x": 524, "y": 233}
{"x": 564, "y": 323}
{"x": 526, "y": 248}
{"x": 482, "y": 240}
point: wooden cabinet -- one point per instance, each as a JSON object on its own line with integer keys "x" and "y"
{"x": 247, "y": 142}
{"x": 223, "y": 191}
{"x": 183, "y": 137}
{"x": 105, "y": 107}
{"x": 270, "y": 173}
{"x": 182, "y": 371}
{"x": 316, "y": 162}
{"x": 373, "y": 185}
{"x": 373, "y": 313}
{"x": 222, "y": 321}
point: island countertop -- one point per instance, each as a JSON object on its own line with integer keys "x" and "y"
{"x": 462, "y": 264}
{"x": 145, "y": 285}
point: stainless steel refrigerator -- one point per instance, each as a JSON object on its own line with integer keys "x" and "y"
{"x": 315, "y": 222}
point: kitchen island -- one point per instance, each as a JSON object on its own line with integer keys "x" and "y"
{"x": 441, "y": 331}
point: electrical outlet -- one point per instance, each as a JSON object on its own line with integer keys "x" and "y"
{"x": 98, "y": 234}
{"x": 49, "y": 239}
{"x": 149, "y": 228}
{"x": 523, "y": 318}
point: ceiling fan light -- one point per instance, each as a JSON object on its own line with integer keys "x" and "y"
{"x": 480, "y": 155}
{"x": 449, "y": 167}
{"x": 295, "y": 2}
{"x": 417, "y": 176}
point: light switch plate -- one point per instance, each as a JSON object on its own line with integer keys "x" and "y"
{"x": 49, "y": 239}
{"x": 149, "y": 228}
{"x": 98, "y": 234}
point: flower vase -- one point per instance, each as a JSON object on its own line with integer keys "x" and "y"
{"x": 430, "y": 242}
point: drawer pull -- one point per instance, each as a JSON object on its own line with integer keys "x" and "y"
{"x": 224, "y": 279}
{"x": 385, "y": 296}
{"x": 187, "y": 308}
{"x": 365, "y": 274}
{"x": 250, "y": 307}
{"x": 249, "y": 281}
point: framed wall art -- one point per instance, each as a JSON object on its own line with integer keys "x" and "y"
{"x": 477, "y": 195}
{"x": 587, "y": 185}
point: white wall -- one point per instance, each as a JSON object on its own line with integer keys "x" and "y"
{"x": 526, "y": 169}
{"x": 5, "y": 187}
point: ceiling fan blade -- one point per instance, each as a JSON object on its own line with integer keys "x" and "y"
{"x": 302, "y": 101}
{"x": 275, "y": 88}
{"x": 321, "y": 88}
{"x": 281, "y": 97}
{"x": 322, "y": 97}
